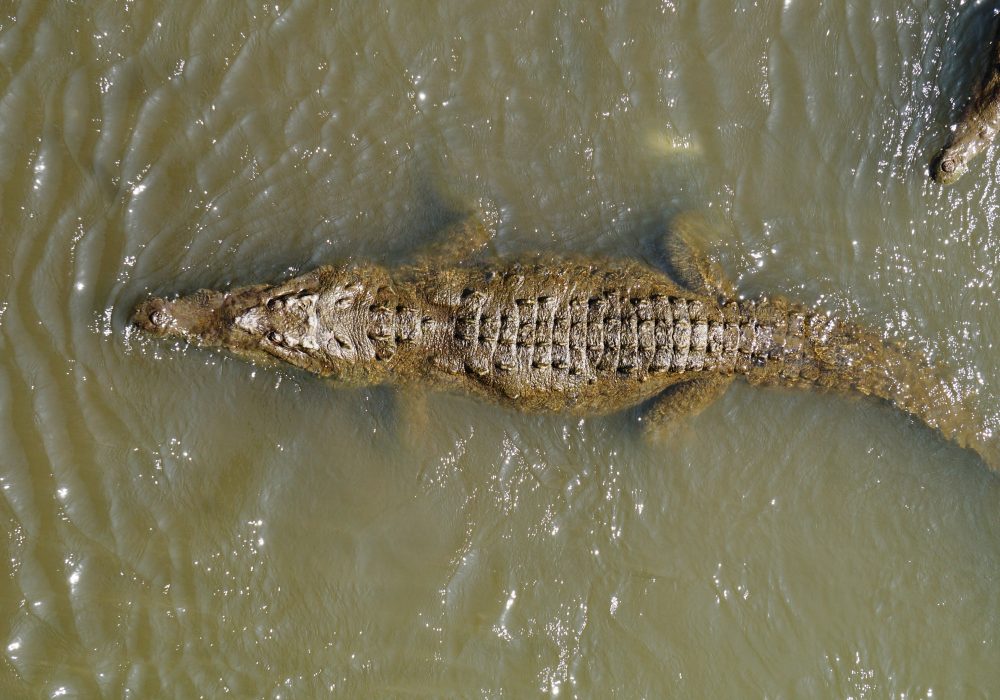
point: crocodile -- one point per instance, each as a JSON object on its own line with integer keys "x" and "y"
{"x": 978, "y": 126}
{"x": 577, "y": 335}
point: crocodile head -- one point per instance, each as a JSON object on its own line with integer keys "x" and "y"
{"x": 317, "y": 321}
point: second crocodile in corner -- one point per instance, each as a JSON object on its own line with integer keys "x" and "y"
{"x": 581, "y": 336}
{"x": 978, "y": 126}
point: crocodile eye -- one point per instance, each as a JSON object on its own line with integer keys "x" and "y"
{"x": 275, "y": 337}
{"x": 275, "y": 304}
{"x": 342, "y": 342}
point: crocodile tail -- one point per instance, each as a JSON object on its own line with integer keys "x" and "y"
{"x": 806, "y": 348}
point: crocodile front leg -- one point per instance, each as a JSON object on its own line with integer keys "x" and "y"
{"x": 461, "y": 241}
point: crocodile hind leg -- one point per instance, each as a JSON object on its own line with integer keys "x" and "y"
{"x": 462, "y": 240}
{"x": 685, "y": 399}
{"x": 684, "y": 261}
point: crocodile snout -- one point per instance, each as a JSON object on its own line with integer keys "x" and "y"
{"x": 947, "y": 168}
{"x": 152, "y": 316}
{"x": 194, "y": 317}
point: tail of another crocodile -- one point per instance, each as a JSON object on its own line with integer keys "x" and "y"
{"x": 804, "y": 348}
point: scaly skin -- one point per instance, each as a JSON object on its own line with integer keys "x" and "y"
{"x": 576, "y": 336}
{"x": 976, "y": 129}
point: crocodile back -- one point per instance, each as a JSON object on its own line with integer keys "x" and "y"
{"x": 571, "y": 336}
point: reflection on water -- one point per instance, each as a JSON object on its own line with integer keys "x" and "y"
{"x": 179, "y": 524}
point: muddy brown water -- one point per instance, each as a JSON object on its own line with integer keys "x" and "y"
{"x": 180, "y": 524}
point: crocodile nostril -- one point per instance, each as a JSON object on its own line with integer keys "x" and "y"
{"x": 948, "y": 165}
{"x": 159, "y": 318}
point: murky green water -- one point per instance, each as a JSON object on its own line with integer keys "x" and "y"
{"x": 179, "y": 524}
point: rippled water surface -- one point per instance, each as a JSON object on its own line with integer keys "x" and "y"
{"x": 181, "y": 524}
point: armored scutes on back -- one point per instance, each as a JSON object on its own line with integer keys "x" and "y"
{"x": 976, "y": 129}
{"x": 578, "y": 336}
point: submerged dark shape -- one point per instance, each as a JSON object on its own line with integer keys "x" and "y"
{"x": 977, "y": 127}
{"x": 582, "y": 336}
